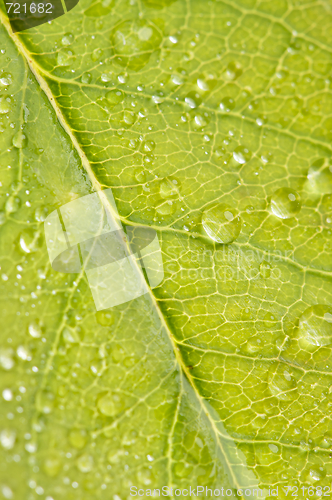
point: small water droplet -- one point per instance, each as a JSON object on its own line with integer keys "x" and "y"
{"x": 140, "y": 175}
{"x": 281, "y": 382}
{"x": 285, "y": 203}
{"x": 221, "y": 223}
{"x": 227, "y": 104}
{"x": 13, "y": 204}
{"x": 148, "y": 146}
{"x": 41, "y": 213}
{"x": 265, "y": 269}
{"x": 4, "y": 106}
{"x": 67, "y": 39}
{"x": 85, "y": 463}
{"x": 111, "y": 404}
{"x": 7, "y": 439}
{"x": 52, "y": 465}
{"x": 19, "y": 140}
{"x": 35, "y": 329}
{"x": 78, "y": 438}
{"x": 105, "y": 318}
{"x": 30, "y": 241}
{"x": 65, "y": 57}
{"x": 320, "y": 177}
{"x": 86, "y": 78}
{"x": 7, "y": 358}
{"x": 315, "y": 327}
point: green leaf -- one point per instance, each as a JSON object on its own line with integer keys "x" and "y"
{"x": 211, "y": 123}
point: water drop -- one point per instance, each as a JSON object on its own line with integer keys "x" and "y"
{"x": 86, "y": 78}
{"x": 232, "y": 71}
{"x": 134, "y": 42}
{"x": 241, "y": 155}
{"x": 315, "y": 327}
{"x": 320, "y": 177}
{"x": 145, "y": 476}
{"x": 6, "y": 358}
{"x": 111, "y": 404}
{"x": 41, "y": 213}
{"x": 265, "y": 269}
{"x": 221, "y": 223}
{"x": 85, "y": 463}
{"x": 30, "y": 241}
{"x": 52, "y": 465}
{"x": 182, "y": 469}
{"x": 128, "y": 118}
{"x": 19, "y": 140}
{"x": 65, "y": 57}
{"x": 285, "y": 203}
{"x": 4, "y": 106}
{"x": 7, "y": 395}
{"x": 35, "y": 329}
{"x": 148, "y": 146}
{"x": 105, "y": 318}
{"x": 114, "y": 97}
{"x": 140, "y": 175}
{"x": 7, "y": 439}
{"x": 67, "y": 39}
{"x": 77, "y": 438}
{"x": 13, "y": 204}
{"x": 281, "y": 382}
{"x": 227, "y": 104}
{"x": 169, "y": 188}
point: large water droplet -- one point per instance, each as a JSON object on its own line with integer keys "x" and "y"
{"x": 221, "y": 223}
{"x": 114, "y": 97}
{"x": 134, "y": 42}
{"x": 315, "y": 327}
{"x": 285, "y": 203}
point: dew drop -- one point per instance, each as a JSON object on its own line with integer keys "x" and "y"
{"x": 111, "y": 404}
{"x": 285, "y": 203}
{"x": 35, "y": 329}
{"x": 227, "y": 104}
{"x": 134, "y": 42}
{"x": 52, "y": 465}
{"x": 30, "y": 241}
{"x": 86, "y": 78}
{"x": 148, "y": 146}
{"x": 85, "y": 463}
{"x": 19, "y": 140}
{"x": 320, "y": 177}
{"x": 13, "y": 204}
{"x": 67, "y": 39}
{"x": 7, "y": 439}
{"x": 221, "y": 223}
{"x": 140, "y": 175}
{"x": 114, "y": 97}
{"x": 4, "y": 106}
{"x": 315, "y": 327}
{"x": 265, "y": 269}
{"x": 145, "y": 476}
{"x": 105, "y": 318}
{"x": 241, "y": 155}
{"x": 65, "y": 57}
{"x": 7, "y": 358}
{"x": 41, "y": 213}
{"x": 281, "y": 382}
{"x": 169, "y": 188}
{"x": 232, "y": 71}
{"x": 77, "y": 438}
